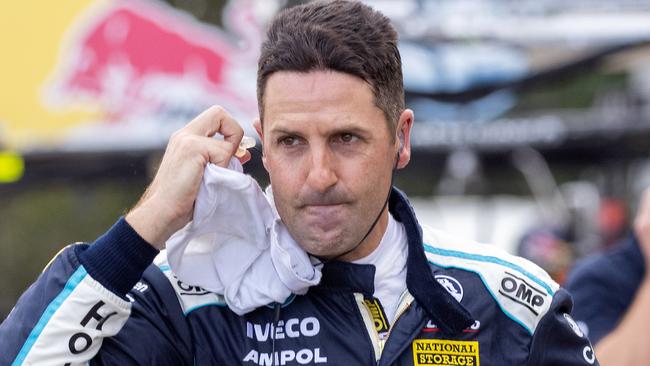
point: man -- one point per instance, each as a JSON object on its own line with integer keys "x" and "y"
{"x": 612, "y": 293}
{"x": 334, "y": 129}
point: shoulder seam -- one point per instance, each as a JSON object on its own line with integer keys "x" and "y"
{"x": 491, "y": 259}
{"x": 523, "y": 294}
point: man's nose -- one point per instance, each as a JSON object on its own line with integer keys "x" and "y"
{"x": 322, "y": 174}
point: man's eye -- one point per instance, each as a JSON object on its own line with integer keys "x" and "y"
{"x": 348, "y": 137}
{"x": 288, "y": 141}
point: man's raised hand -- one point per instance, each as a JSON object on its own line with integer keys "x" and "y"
{"x": 167, "y": 204}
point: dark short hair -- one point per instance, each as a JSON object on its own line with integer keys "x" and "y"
{"x": 340, "y": 35}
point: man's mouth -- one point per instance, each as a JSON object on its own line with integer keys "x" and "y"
{"x": 317, "y": 209}
{"x": 326, "y": 217}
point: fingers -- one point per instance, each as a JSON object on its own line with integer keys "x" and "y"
{"x": 219, "y": 152}
{"x": 216, "y": 120}
{"x": 207, "y": 149}
{"x": 232, "y": 132}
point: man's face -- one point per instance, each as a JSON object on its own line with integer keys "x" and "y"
{"x": 330, "y": 154}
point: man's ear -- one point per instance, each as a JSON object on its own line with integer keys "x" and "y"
{"x": 403, "y": 138}
{"x": 257, "y": 124}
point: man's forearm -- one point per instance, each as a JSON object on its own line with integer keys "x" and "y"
{"x": 629, "y": 343}
{"x": 147, "y": 221}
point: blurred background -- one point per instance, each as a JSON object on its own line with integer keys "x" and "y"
{"x": 532, "y": 116}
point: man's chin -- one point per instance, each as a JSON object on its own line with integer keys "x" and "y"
{"x": 323, "y": 246}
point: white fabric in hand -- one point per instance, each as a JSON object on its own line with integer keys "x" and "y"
{"x": 237, "y": 246}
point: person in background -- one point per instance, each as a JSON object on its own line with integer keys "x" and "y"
{"x": 611, "y": 292}
{"x": 550, "y": 249}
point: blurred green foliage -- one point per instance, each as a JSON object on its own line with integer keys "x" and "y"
{"x": 35, "y": 223}
{"x": 579, "y": 91}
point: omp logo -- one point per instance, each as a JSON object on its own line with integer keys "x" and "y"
{"x": 451, "y": 285}
{"x": 522, "y": 292}
{"x": 441, "y": 352}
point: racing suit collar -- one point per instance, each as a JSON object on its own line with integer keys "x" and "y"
{"x": 345, "y": 276}
{"x": 448, "y": 313}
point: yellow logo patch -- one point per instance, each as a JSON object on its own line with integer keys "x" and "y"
{"x": 378, "y": 316}
{"x": 438, "y": 352}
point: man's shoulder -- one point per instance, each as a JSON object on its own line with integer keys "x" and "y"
{"x": 600, "y": 274}
{"x": 446, "y": 250}
{"x": 522, "y": 290}
{"x": 605, "y": 267}
{"x": 595, "y": 268}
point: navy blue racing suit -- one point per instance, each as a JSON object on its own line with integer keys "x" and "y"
{"x": 111, "y": 303}
{"x": 603, "y": 291}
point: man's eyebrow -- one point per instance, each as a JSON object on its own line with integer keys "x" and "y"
{"x": 349, "y": 129}
{"x": 282, "y": 130}
{"x": 333, "y": 131}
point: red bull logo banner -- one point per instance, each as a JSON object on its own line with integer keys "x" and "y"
{"x": 128, "y": 73}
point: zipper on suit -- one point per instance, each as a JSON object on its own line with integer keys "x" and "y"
{"x": 404, "y": 303}
{"x": 377, "y": 342}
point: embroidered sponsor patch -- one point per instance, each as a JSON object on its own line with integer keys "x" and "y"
{"x": 522, "y": 292}
{"x": 439, "y": 352}
{"x": 451, "y": 285}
